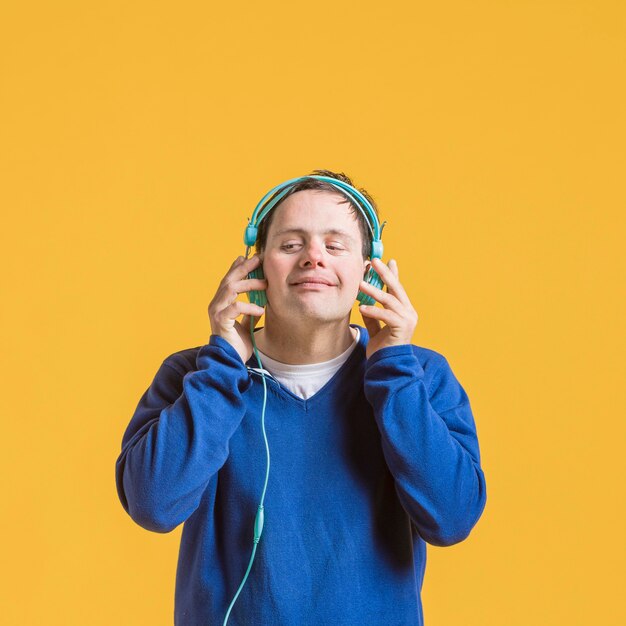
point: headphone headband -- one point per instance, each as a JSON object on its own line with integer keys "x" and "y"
{"x": 280, "y": 191}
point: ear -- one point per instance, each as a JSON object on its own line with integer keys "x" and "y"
{"x": 366, "y": 266}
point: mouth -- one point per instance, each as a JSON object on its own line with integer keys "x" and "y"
{"x": 313, "y": 280}
{"x": 313, "y": 285}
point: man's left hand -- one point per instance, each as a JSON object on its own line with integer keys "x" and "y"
{"x": 398, "y": 313}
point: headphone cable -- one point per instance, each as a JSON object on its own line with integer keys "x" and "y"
{"x": 260, "y": 516}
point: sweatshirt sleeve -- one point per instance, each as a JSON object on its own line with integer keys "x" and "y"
{"x": 429, "y": 441}
{"x": 179, "y": 435}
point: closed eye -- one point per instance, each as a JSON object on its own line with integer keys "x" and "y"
{"x": 289, "y": 246}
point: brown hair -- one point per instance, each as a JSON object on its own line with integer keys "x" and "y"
{"x": 322, "y": 185}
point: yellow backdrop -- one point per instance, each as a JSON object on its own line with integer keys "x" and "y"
{"x": 136, "y": 138}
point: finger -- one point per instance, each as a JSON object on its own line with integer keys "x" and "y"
{"x": 393, "y": 265}
{"x": 247, "y": 265}
{"x": 245, "y": 321}
{"x": 381, "y": 315}
{"x": 385, "y": 272}
{"x": 236, "y": 263}
{"x": 372, "y": 325}
{"x": 387, "y": 299}
{"x": 248, "y": 284}
{"x": 234, "y": 310}
{"x": 240, "y": 268}
{"x": 226, "y": 296}
{"x": 391, "y": 280}
{"x": 229, "y": 292}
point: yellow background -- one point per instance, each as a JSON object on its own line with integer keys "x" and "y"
{"x": 136, "y": 138}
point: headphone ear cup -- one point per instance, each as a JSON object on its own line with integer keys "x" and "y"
{"x": 373, "y": 279}
{"x": 256, "y": 296}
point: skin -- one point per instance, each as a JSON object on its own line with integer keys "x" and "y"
{"x": 310, "y": 324}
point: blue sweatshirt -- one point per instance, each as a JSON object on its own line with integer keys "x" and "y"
{"x": 383, "y": 459}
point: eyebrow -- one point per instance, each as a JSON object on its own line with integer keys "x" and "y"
{"x": 329, "y": 231}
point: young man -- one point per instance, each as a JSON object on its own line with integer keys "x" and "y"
{"x": 374, "y": 451}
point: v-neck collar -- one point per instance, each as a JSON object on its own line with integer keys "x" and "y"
{"x": 357, "y": 354}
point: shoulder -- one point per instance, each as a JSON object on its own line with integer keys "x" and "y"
{"x": 428, "y": 357}
{"x": 408, "y": 360}
{"x": 444, "y": 388}
{"x": 434, "y": 364}
{"x": 182, "y": 361}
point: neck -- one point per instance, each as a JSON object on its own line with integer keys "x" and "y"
{"x": 292, "y": 344}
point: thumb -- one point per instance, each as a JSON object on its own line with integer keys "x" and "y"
{"x": 245, "y": 321}
{"x": 372, "y": 325}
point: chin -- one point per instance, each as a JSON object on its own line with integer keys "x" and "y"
{"x": 321, "y": 309}
{"x": 323, "y": 313}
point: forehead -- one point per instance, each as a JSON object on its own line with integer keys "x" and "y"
{"x": 315, "y": 210}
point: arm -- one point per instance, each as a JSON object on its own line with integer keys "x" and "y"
{"x": 178, "y": 437}
{"x": 429, "y": 442}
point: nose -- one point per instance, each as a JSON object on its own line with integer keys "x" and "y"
{"x": 313, "y": 254}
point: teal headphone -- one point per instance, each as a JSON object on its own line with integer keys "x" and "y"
{"x": 274, "y": 196}
{"x": 259, "y": 298}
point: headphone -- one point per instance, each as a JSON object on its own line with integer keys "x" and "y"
{"x": 258, "y": 297}
{"x": 275, "y": 195}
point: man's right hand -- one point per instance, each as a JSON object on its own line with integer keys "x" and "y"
{"x": 224, "y": 309}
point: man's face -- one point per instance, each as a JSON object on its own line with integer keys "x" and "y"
{"x": 313, "y": 236}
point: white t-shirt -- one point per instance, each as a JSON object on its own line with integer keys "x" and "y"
{"x": 306, "y": 380}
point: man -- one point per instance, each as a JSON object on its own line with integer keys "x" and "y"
{"x": 374, "y": 451}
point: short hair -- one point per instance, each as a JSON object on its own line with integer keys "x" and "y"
{"x": 322, "y": 185}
